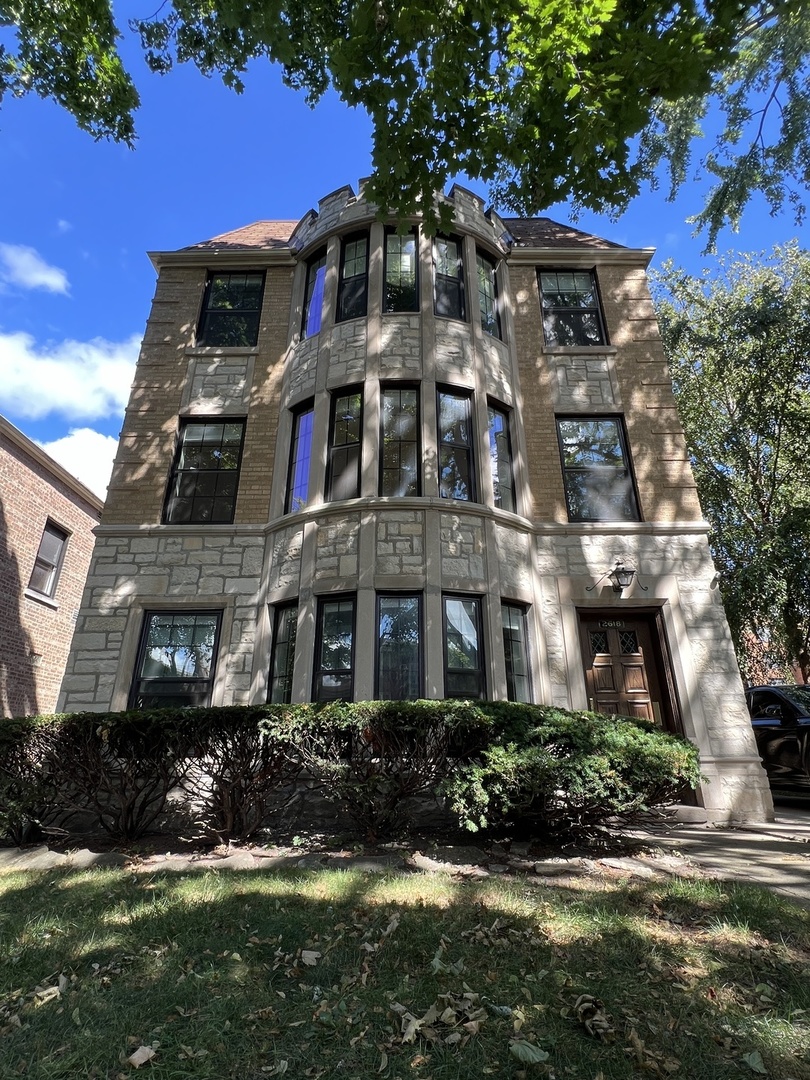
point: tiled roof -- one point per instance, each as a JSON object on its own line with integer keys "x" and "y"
{"x": 543, "y": 232}
{"x": 261, "y": 235}
{"x": 528, "y": 232}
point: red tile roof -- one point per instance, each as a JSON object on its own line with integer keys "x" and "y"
{"x": 527, "y": 232}
{"x": 261, "y": 235}
{"x": 543, "y": 232}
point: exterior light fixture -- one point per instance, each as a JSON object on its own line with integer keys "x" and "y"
{"x": 621, "y": 576}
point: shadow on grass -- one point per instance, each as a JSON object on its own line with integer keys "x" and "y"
{"x": 233, "y": 974}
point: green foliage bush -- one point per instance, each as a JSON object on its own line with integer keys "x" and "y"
{"x": 243, "y": 763}
{"x": 560, "y": 772}
{"x": 496, "y": 765}
{"x": 368, "y": 757}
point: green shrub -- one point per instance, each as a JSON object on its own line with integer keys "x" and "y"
{"x": 368, "y": 757}
{"x": 496, "y": 764}
{"x": 33, "y": 789}
{"x": 117, "y": 767}
{"x": 562, "y": 772}
{"x": 243, "y": 761}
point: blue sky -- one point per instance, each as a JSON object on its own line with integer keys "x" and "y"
{"x": 77, "y": 218}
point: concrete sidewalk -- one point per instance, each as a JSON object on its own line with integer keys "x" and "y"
{"x": 774, "y": 854}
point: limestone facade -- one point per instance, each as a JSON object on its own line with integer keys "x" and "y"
{"x": 502, "y": 579}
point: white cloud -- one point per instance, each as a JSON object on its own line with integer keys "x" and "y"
{"x": 63, "y": 226}
{"x": 86, "y": 454}
{"x": 24, "y": 266}
{"x": 79, "y": 380}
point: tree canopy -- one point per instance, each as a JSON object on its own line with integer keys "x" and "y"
{"x": 738, "y": 344}
{"x": 544, "y": 100}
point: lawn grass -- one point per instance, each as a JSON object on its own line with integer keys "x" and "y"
{"x": 339, "y": 974}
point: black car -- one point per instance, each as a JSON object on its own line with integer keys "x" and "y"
{"x": 780, "y": 716}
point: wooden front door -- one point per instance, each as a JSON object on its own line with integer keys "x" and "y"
{"x": 623, "y": 666}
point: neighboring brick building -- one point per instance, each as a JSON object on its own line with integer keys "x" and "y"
{"x": 46, "y": 540}
{"x": 361, "y": 464}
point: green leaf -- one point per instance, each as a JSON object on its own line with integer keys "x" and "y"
{"x": 755, "y": 1063}
{"x": 527, "y": 1053}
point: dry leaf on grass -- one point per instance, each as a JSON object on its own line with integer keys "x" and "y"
{"x": 590, "y": 1012}
{"x": 141, "y": 1056}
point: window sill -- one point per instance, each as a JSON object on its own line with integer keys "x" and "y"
{"x": 217, "y": 350}
{"x": 579, "y": 350}
{"x": 41, "y": 598}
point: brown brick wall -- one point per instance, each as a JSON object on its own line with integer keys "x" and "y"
{"x": 30, "y": 628}
{"x": 664, "y": 478}
{"x": 542, "y": 448}
{"x": 149, "y": 434}
{"x": 255, "y": 481}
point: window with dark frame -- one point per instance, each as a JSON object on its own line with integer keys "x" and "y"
{"x": 333, "y": 678}
{"x": 463, "y": 648}
{"x": 572, "y": 314}
{"x": 500, "y": 458}
{"x": 231, "y": 309}
{"x": 345, "y": 443}
{"x": 300, "y": 457}
{"x": 313, "y": 294}
{"x": 488, "y": 294}
{"x": 399, "y": 647}
{"x": 49, "y": 559}
{"x": 596, "y": 469}
{"x": 401, "y": 284}
{"x": 448, "y": 273}
{"x": 456, "y": 466}
{"x": 176, "y": 659}
{"x": 353, "y": 285}
{"x": 205, "y": 474}
{"x": 282, "y": 656}
{"x": 400, "y": 439}
{"x": 516, "y": 652}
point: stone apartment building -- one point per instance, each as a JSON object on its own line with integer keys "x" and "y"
{"x": 360, "y": 463}
{"x": 46, "y": 540}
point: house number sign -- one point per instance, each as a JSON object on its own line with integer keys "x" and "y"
{"x": 611, "y": 624}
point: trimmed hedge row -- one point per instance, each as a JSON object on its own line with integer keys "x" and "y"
{"x": 495, "y": 765}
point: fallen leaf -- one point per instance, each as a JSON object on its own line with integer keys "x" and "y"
{"x": 141, "y": 1056}
{"x": 527, "y": 1052}
{"x": 310, "y": 957}
{"x": 755, "y": 1063}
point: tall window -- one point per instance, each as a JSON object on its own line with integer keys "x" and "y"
{"x": 231, "y": 310}
{"x": 334, "y": 650}
{"x": 571, "y": 312}
{"x": 205, "y": 475}
{"x": 176, "y": 659}
{"x": 399, "y": 467}
{"x": 596, "y": 470}
{"x": 449, "y": 277}
{"x": 399, "y": 648}
{"x": 48, "y": 562}
{"x": 500, "y": 458}
{"x": 345, "y": 440}
{"x": 488, "y": 295}
{"x": 300, "y": 455}
{"x": 282, "y": 659}
{"x": 353, "y": 287}
{"x": 518, "y": 679}
{"x": 463, "y": 653}
{"x": 456, "y": 472}
{"x": 313, "y": 295}
{"x": 401, "y": 292}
